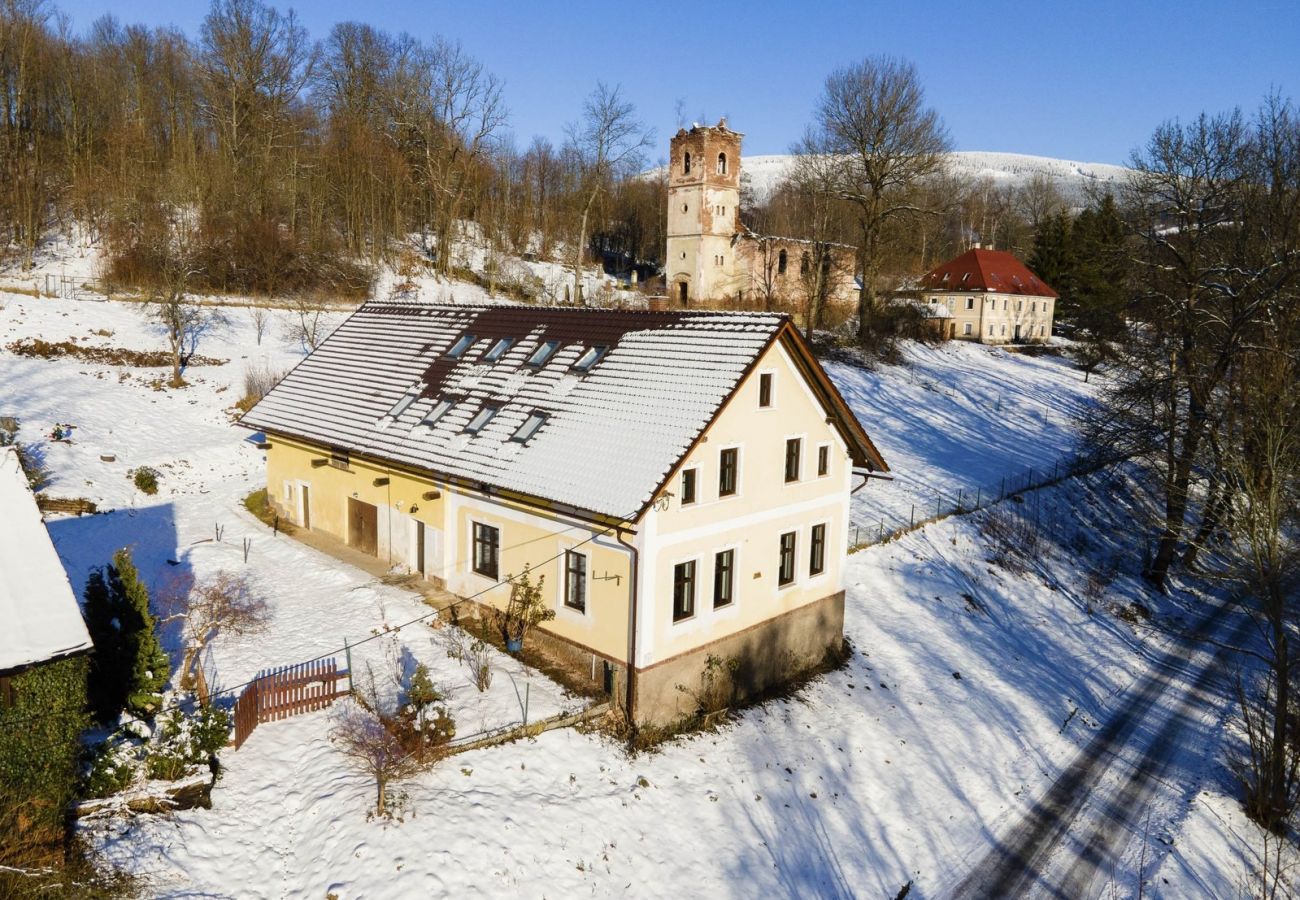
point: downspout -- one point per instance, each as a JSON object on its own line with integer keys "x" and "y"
{"x": 634, "y": 562}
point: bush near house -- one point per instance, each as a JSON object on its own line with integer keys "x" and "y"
{"x": 42, "y": 716}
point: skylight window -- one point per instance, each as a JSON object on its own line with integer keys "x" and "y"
{"x": 498, "y": 349}
{"x": 544, "y": 351}
{"x": 534, "y": 421}
{"x": 404, "y": 402}
{"x": 463, "y": 343}
{"x": 440, "y": 409}
{"x": 591, "y": 357}
{"x": 481, "y": 418}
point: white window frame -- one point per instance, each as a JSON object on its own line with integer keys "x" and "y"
{"x": 826, "y": 552}
{"x": 794, "y": 582}
{"x": 740, "y": 473}
{"x": 730, "y": 608}
{"x": 803, "y": 457}
{"x": 758, "y": 389}
{"x": 471, "y": 563}
{"x": 967, "y": 329}
{"x": 828, "y": 446}
{"x": 672, "y": 591}
{"x": 681, "y": 500}
{"x": 562, "y": 609}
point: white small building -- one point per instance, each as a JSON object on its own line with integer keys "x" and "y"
{"x": 40, "y": 619}
{"x": 991, "y": 297}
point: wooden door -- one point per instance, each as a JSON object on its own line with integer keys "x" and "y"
{"x": 363, "y": 526}
{"x": 306, "y": 508}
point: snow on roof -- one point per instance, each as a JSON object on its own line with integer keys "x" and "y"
{"x": 38, "y": 611}
{"x": 986, "y": 270}
{"x": 611, "y": 433}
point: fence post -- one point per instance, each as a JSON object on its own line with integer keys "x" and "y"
{"x": 978, "y": 491}
{"x": 880, "y": 536}
{"x": 961, "y": 492}
{"x": 938, "y": 505}
{"x": 911, "y": 522}
{"x": 347, "y": 654}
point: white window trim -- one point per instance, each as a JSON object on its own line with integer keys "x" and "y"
{"x": 469, "y": 557}
{"x": 562, "y": 609}
{"x": 695, "y": 617}
{"x": 803, "y": 458}
{"x": 826, "y": 558}
{"x": 757, "y": 388}
{"x": 681, "y": 500}
{"x": 731, "y": 609}
{"x": 720, "y": 497}
{"x": 798, "y": 560}
{"x": 829, "y": 462}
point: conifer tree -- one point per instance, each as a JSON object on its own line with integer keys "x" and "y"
{"x": 130, "y": 667}
{"x": 149, "y": 663}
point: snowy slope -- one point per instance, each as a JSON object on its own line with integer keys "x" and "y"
{"x": 1072, "y": 178}
{"x": 888, "y": 770}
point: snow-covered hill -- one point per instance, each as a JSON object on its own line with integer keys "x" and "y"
{"x": 1072, "y": 178}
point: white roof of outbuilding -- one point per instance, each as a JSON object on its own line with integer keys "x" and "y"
{"x": 39, "y": 615}
{"x": 610, "y": 436}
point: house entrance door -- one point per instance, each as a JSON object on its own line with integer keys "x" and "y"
{"x": 1017, "y": 332}
{"x": 363, "y": 526}
{"x": 306, "y": 508}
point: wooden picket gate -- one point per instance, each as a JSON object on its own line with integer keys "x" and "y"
{"x": 287, "y": 691}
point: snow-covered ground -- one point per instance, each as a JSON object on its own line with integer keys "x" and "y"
{"x": 956, "y": 420}
{"x": 971, "y": 683}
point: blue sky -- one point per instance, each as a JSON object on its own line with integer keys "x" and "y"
{"x": 1086, "y": 81}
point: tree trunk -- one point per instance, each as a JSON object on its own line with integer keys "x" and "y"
{"x": 380, "y": 798}
{"x": 1176, "y": 499}
{"x": 1278, "y": 800}
{"x": 578, "y": 297}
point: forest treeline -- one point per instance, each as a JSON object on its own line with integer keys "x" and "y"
{"x": 255, "y": 158}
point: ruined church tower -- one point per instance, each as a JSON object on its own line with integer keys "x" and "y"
{"x": 703, "y": 212}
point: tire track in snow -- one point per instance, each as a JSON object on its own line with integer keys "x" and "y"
{"x": 1018, "y": 865}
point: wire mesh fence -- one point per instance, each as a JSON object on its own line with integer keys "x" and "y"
{"x": 964, "y": 500}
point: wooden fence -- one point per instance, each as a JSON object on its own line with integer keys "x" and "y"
{"x": 280, "y": 693}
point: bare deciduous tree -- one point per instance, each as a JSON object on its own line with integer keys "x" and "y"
{"x": 872, "y": 119}
{"x": 609, "y": 142}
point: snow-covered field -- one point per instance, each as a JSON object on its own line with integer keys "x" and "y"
{"x": 955, "y": 420}
{"x": 971, "y": 682}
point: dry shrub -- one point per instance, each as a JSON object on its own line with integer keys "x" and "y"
{"x": 1011, "y": 535}
{"x": 258, "y": 381}
{"x": 108, "y": 356}
{"x": 223, "y": 603}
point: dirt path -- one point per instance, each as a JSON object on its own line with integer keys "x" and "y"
{"x": 1069, "y": 843}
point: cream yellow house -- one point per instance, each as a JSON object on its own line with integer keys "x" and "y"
{"x": 989, "y": 296}
{"x": 681, "y": 479}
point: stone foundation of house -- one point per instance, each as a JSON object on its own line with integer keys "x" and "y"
{"x": 767, "y": 655}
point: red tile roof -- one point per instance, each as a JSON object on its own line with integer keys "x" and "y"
{"x": 995, "y": 271}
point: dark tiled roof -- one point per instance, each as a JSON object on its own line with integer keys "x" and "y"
{"x": 610, "y": 436}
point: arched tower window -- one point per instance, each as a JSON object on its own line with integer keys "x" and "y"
{"x": 805, "y": 263}
{"x": 780, "y": 263}
{"x": 722, "y": 164}
{"x": 686, "y": 164}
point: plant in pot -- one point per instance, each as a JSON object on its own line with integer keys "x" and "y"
{"x": 524, "y": 610}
